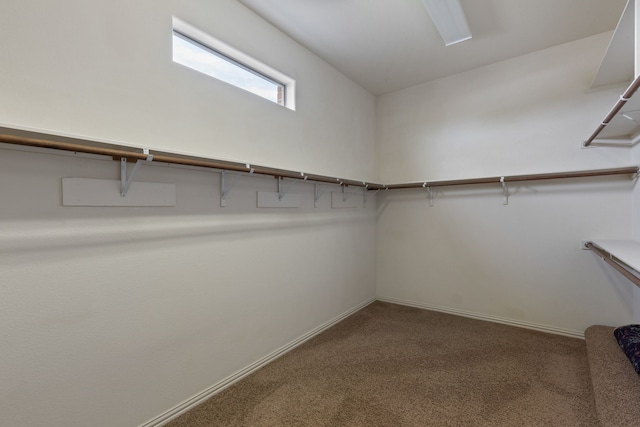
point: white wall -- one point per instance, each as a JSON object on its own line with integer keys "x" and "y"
{"x": 636, "y": 232}
{"x": 471, "y": 254}
{"x": 113, "y": 316}
{"x": 636, "y": 159}
{"x": 104, "y": 69}
{"x": 524, "y": 115}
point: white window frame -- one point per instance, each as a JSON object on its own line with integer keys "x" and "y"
{"x": 239, "y": 59}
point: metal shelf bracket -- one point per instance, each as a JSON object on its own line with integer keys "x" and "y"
{"x": 281, "y": 190}
{"x": 345, "y": 195}
{"x": 125, "y": 182}
{"x": 316, "y": 195}
{"x": 225, "y": 186}
{"x": 365, "y": 190}
{"x": 429, "y": 193}
{"x": 505, "y": 191}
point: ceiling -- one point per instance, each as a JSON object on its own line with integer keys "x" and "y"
{"x": 387, "y": 45}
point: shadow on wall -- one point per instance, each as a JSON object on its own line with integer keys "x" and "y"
{"x": 35, "y": 221}
{"x": 48, "y": 236}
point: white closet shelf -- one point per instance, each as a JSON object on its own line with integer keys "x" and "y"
{"x": 627, "y": 251}
{"x": 622, "y": 255}
{"x": 621, "y": 127}
{"x": 618, "y": 63}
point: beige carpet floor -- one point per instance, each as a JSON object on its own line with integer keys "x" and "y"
{"x": 391, "y": 365}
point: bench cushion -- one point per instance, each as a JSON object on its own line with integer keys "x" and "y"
{"x": 628, "y": 338}
{"x": 616, "y": 386}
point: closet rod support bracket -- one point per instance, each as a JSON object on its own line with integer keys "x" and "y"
{"x": 281, "y": 190}
{"x": 225, "y": 187}
{"x": 505, "y": 191}
{"x": 316, "y": 194}
{"x": 126, "y": 181}
{"x": 365, "y": 191}
{"x": 345, "y": 195}
{"x": 429, "y": 193}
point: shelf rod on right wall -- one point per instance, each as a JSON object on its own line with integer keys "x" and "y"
{"x": 609, "y": 259}
{"x": 630, "y": 170}
{"x": 616, "y": 108}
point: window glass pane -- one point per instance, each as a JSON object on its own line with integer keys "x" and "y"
{"x": 198, "y": 57}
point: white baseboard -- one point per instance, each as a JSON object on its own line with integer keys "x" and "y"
{"x": 480, "y": 316}
{"x": 192, "y": 402}
{"x": 218, "y": 387}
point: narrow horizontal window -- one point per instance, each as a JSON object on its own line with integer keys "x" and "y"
{"x": 192, "y": 54}
{"x": 202, "y": 52}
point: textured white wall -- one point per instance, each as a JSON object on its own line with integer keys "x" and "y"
{"x": 525, "y": 115}
{"x": 636, "y": 233}
{"x": 636, "y": 58}
{"x": 469, "y": 252}
{"x": 112, "y": 316}
{"x": 636, "y": 159}
{"x": 104, "y": 69}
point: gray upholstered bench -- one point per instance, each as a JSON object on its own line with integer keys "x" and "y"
{"x": 616, "y": 385}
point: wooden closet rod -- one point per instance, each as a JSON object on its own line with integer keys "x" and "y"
{"x": 130, "y": 153}
{"x": 518, "y": 178}
{"x": 615, "y": 110}
{"x": 611, "y": 260}
{"x": 119, "y": 152}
